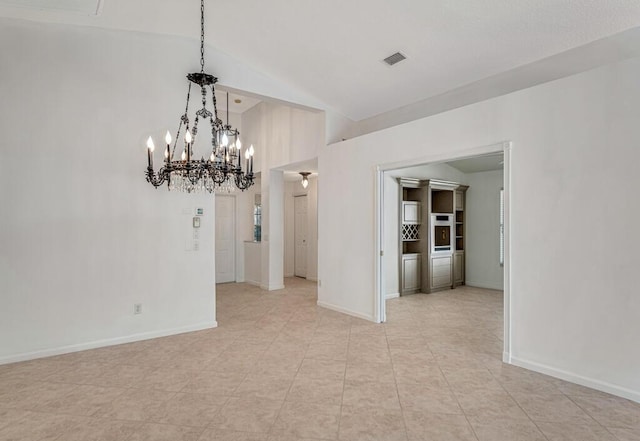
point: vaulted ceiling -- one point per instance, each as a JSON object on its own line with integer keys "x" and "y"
{"x": 333, "y": 49}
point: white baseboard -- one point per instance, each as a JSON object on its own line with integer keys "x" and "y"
{"x": 272, "y": 287}
{"x": 347, "y": 311}
{"x": 393, "y": 295}
{"x": 106, "y": 342}
{"x": 484, "y": 284}
{"x": 578, "y": 379}
{"x": 253, "y": 282}
{"x": 506, "y": 357}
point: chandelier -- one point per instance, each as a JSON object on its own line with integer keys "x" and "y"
{"x": 223, "y": 167}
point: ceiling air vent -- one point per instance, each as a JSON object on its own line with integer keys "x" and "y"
{"x": 395, "y": 58}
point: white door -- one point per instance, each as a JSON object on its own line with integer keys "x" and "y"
{"x": 300, "y": 236}
{"x": 225, "y": 238}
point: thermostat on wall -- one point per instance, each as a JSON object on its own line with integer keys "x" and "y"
{"x": 199, "y": 211}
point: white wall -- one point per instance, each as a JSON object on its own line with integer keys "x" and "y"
{"x": 281, "y": 135}
{"x": 289, "y": 223}
{"x": 391, "y": 225}
{"x": 83, "y": 236}
{"x": 312, "y": 229}
{"x": 573, "y": 170}
{"x": 482, "y": 242}
{"x": 244, "y": 225}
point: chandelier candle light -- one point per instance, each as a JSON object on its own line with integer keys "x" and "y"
{"x": 223, "y": 168}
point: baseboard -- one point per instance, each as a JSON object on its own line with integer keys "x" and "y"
{"x": 272, "y": 287}
{"x": 484, "y": 284}
{"x": 578, "y": 379}
{"x": 253, "y": 282}
{"x": 393, "y": 295}
{"x": 346, "y": 311}
{"x": 312, "y": 279}
{"x": 106, "y": 342}
{"x": 506, "y": 357}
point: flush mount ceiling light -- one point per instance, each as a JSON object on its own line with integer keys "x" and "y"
{"x": 305, "y": 179}
{"x": 223, "y": 167}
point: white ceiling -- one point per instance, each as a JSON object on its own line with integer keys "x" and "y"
{"x": 479, "y": 163}
{"x": 87, "y": 7}
{"x": 291, "y": 172}
{"x": 476, "y": 164}
{"x": 332, "y": 49}
{"x": 245, "y": 102}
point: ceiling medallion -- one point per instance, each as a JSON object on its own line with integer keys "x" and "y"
{"x": 223, "y": 169}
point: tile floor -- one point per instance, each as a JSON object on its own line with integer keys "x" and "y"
{"x": 279, "y": 368}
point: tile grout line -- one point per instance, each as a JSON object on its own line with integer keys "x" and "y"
{"x": 344, "y": 381}
{"x": 464, "y": 413}
{"x": 395, "y": 380}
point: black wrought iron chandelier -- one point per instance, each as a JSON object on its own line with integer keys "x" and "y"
{"x": 223, "y": 168}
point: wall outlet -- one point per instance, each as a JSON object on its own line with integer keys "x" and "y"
{"x": 137, "y": 308}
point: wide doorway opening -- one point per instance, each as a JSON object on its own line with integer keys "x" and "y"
{"x": 443, "y": 242}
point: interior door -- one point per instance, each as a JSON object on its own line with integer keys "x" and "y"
{"x": 225, "y": 238}
{"x": 300, "y": 236}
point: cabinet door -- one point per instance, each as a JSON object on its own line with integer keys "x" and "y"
{"x": 410, "y": 212}
{"x": 441, "y": 272}
{"x": 411, "y": 273}
{"x": 458, "y": 267}
{"x": 459, "y": 201}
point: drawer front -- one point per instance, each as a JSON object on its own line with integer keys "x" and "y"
{"x": 441, "y": 262}
{"x": 440, "y": 281}
{"x": 441, "y": 272}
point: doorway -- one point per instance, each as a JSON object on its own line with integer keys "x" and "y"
{"x": 225, "y": 238}
{"x": 387, "y": 226}
{"x": 300, "y": 236}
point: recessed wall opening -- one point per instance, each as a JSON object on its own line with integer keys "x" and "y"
{"x": 443, "y": 240}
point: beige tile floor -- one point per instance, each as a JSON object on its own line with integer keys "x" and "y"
{"x": 279, "y": 368}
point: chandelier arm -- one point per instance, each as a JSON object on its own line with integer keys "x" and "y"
{"x": 156, "y": 179}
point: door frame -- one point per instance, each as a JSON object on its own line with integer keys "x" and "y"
{"x": 235, "y": 245}
{"x": 295, "y": 197}
{"x": 504, "y": 147}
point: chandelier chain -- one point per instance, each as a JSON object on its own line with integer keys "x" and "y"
{"x": 201, "y": 36}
